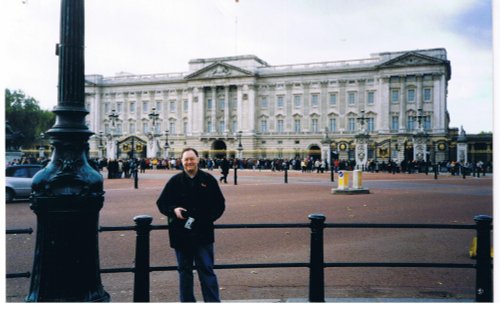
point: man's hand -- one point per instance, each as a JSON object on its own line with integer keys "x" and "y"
{"x": 178, "y": 213}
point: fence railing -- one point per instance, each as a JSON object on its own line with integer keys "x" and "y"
{"x": 142, "y": 269}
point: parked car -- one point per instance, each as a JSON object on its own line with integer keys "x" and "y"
{"x": 18, "y": 181}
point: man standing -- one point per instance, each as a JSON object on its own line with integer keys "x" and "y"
{"x": 224, "y": 165}
{"x": 192, "y": 201}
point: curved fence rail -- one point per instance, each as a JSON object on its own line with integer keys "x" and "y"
{"x": 142, "y": 269}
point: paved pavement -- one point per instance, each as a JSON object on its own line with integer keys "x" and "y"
{"x": 263, "y": 197}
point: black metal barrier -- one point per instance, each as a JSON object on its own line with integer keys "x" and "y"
{"x": 316, "y": 264}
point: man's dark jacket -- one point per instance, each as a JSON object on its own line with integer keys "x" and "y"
{"x": 202, "y": 198}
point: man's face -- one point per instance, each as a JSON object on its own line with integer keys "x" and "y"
{"x": 190, "y": 162}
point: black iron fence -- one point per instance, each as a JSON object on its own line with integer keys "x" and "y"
{"x": 142, "y": 269}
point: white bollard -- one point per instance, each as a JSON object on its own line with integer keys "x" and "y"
{"x": 357, "y": 179}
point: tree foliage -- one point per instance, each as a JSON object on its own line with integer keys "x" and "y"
{"x": 24, "y": 115}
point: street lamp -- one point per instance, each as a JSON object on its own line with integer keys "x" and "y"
{"x": 68, "y": 194}
{"x": 166, "y": 145}
{"x": 240, "y": 146}
{"x": 154, "y": 117}
{"x": 113, "y": 117}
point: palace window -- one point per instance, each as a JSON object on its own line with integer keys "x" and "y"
{"x": 145, "y": 127}
{"x": 427, "y": 122}
{"x": 172, "y": 106}
{"x": 158, "y": 106}
{"x": 394, "y": 96}
{"x": 106, "y": 107}
{"x": 185, "y": 106}
{"x": 314, "y": 125}
{"x": 131, "y": 128}
{"x": 280, "y": 128}
{"x": 296, "y": 125}
{"x": 332, "y": 124}
{"x": 119, "y": 107}
{"x": 297, "y": 101}
{"x": 370, "y": 98}
{"x": 314, "y": 100}
{"x": 263, "y": 102}
{"x": 132, "y": 107}
{"x": 209, "y": 104}
{"x": 351, "y": 124}
{"x": 351, "y": 98}
{"x": 145, "y": 106}
{"x": 209, "y": 126}
{"x": 222, "y": 126}
{"x": 222, "y": 103}
{"x": 280, "y": 101}
{"x": 185, "y": 127}
{"x": 410, "y": 125}
{"x": 263, "y": 126}
{"x": 370, "y": 124}
{"x": 427, "y": 94}
{"x": 171, "y": 127}
{"x": 410, "y": 96}
{"x": 332, "y": 99}
{"x": 394, "y": 122}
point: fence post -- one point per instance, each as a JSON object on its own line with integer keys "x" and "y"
{"x": 316, "y": 265}
{"x": 141, "y": 270}
{"x": 136, "y": 178}
{"x": 286, "y": 174}
{"x": 484, "y": 278}
{"x": 236, "y": 175}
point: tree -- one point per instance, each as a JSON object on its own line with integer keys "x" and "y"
{"x": 25, "y": 116}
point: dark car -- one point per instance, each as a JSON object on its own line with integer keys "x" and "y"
{"x": 18, "y": 181}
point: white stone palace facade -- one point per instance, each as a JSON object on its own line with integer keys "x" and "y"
{"x": 391, "y": 106}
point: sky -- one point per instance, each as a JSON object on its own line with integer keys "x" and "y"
{"x": 161, "y": 36}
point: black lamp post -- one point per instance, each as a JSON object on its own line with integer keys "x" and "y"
{"x": 166, "y": 145}
{"x": 154, "y": 117}
{"x": 67, "y": 194}
{"x": 240, "y": 146}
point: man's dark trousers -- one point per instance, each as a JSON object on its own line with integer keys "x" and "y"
{"x": 203, "y": 257}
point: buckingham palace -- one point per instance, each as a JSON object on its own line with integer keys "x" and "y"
{"x": 390, "y": 106}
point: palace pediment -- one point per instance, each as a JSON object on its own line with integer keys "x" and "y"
{"x": 412, "y": 59}
{"x": 219, "y": 70}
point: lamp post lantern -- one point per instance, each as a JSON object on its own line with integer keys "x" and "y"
{"x": 67, "y": 194}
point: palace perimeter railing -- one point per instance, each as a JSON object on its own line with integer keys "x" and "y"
{"x": 142, "y": 269}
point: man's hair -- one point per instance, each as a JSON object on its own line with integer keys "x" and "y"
{"x": 189, "y": 149}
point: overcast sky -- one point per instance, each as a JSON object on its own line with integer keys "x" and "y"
{"x": 161, "y": 36}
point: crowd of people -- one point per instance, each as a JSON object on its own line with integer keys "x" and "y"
{"x": 124, "y": 168}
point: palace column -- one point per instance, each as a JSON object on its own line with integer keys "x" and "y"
{"x": 214, "y": 110}
{"x": 226, "y": 109}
